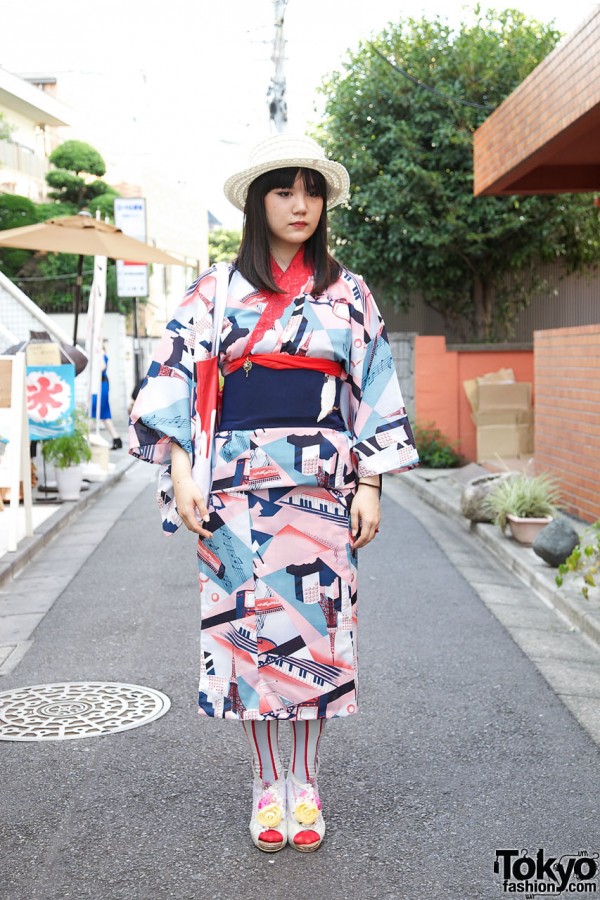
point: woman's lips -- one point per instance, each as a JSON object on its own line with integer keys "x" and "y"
{"x": 298, "y": 224}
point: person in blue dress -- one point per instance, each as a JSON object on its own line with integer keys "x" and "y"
{"x": 105, "y": 413}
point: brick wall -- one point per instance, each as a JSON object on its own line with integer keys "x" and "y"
{"x": 546, "y": 112}
{"x": 567, "y": 418}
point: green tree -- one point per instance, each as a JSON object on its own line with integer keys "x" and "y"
{"x": 77, "y": 156}
{"x": 15, "y": 212}
{"x": 71, "y": 180}
{"x": 223, "y": 244}
{"x": 412, "y": 223}
{"x": 48, "y": 278}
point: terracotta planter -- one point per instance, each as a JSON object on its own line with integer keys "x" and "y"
{"x": 525, "y": 531}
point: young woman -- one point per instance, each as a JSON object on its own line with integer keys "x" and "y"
{"x": 311, "y": 417}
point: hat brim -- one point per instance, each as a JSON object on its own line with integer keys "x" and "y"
{"x": 336, "y": 176}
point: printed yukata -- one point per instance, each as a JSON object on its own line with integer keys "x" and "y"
{"x": 278, "y": 578}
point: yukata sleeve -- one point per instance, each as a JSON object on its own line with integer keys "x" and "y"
{"x": 164, "y": 409}
{"x": 161, "y": 413}
{"x": 382, "y": 439}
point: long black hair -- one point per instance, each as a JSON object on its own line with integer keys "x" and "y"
{"x": 254, "y": 257}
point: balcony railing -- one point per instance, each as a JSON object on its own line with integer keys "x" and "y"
{"x": 23, "y": 159}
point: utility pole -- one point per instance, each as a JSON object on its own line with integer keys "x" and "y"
{"x": 276, "y": 93}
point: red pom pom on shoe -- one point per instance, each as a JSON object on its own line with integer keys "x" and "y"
{"x": 304, "y": 838}
{"x": 271, "y": 836}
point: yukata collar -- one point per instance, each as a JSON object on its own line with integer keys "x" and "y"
{"x": 295, "y": 280}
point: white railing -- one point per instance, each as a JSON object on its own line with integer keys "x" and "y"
{"x": 23, "y": 159}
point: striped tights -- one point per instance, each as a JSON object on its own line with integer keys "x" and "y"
{"x": 264, "y": 743}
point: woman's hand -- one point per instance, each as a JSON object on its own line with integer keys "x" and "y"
{"x": 189, "y": 499}
{"x": 365, "y": 513}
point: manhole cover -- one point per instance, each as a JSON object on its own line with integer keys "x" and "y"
{"x": 60, "y": 712}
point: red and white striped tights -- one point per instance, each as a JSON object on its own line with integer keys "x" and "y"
{"x": 264, "y": 742}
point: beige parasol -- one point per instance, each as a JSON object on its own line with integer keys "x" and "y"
{"x": 86, "y": 236}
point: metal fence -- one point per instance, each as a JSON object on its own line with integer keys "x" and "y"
{"x": 565, "y": 301}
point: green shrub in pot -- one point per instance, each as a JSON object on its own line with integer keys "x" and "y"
{"x": 69, "y": 449}
{"x": 525, "y": 497}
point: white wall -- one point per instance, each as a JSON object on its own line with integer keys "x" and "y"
{"x": 120, "y": 360}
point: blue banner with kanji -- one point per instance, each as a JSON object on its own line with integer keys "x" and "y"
{"x": 50, "y": 401}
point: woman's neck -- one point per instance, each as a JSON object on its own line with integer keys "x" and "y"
{"x": 283, "y": 255}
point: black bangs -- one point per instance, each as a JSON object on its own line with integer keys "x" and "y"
{"x": 314, "y": 182}
{"x": 285, "y": 178}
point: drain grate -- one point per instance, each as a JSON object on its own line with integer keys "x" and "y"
{"x": 60, "y": 712}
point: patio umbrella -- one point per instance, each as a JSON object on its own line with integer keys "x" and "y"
{"x": 86, "y": 236}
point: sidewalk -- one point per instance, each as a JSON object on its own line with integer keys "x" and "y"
{"x": 45, "y": 567}
{"x": 441, "y": 488}
{"x": 50, "y": 518}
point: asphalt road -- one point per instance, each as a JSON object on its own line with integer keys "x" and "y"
{"x": 460, "y": 748}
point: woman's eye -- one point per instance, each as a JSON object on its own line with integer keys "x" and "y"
{"x": 283, "y": 193}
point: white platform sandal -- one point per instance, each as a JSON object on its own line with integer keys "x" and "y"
{"x": 268, "y": 825}
{"x": 305, "y": 823}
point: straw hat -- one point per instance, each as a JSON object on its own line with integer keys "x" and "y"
{"x": 280, "y": 151}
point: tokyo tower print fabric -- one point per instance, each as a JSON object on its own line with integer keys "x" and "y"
{"x": 278, "y": 577}
{"x": 278, "y": 597}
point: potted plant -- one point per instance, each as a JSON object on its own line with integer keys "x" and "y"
{"x": 66, "y": 453}
{"x": 526, "y": 504}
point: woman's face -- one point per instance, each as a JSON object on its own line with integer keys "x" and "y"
{"x": 292, "y": 216}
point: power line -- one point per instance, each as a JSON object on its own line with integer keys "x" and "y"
{"x": 427, "y": 87}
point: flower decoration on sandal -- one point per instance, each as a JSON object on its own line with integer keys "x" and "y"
{"x": 306, "y": 826}
{"x": 268, "y": 825}
{"x": 269, "y": 811}
{"x": 308, "y": 806}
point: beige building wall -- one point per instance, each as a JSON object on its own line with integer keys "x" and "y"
{"x": 36, "y": 120}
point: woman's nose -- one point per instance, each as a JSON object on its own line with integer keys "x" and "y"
{"x": 299, "y": 201}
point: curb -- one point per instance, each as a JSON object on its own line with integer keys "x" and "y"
{"x": 522, "y": 561}
{"x": 13, "y": 561}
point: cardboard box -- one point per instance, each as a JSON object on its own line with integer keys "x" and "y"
{"x": 502, "y": 376}
{"x": 503, "y": 417}
{"x": 503, "y": 396}
{"x": 504, "y": 441}
{"x": 501, "y": 411}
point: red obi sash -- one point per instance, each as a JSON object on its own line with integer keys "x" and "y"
{"x": 284, "y": 361}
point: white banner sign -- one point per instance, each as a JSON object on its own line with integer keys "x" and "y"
{"x": 93, "y": 335}
{"x": 130, "y": 217}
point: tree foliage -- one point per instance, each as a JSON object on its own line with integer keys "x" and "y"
{"x": 15, "y": 212}
{"x": 223, "y": 244}
{"x": 71, "y": 180}
{"x": 77, "y": 156}
{"x": 412, "y": 223}
{"x": 48, "y": 278}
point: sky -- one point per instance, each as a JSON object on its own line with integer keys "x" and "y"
{"x": 180, "y": 87}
